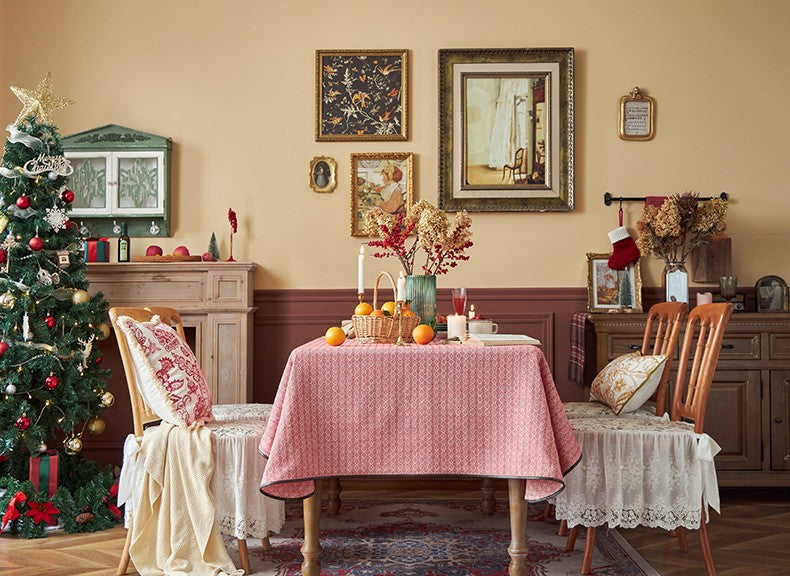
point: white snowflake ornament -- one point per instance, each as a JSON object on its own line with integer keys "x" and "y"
{"x": 57, "y": 218}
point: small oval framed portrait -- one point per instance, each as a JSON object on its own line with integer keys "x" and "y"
{"x": 771, "y": 294}
{"x": 323, "y": 174}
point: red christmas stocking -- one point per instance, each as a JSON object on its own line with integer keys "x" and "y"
{"x": 624, "y": 250}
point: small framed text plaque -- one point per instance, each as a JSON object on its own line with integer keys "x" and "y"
{"x": 637, "y": 113}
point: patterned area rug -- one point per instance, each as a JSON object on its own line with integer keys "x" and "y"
{"x": 434, "y": 538}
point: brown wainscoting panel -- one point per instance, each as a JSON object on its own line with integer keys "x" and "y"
{"x": 286, "y": 319}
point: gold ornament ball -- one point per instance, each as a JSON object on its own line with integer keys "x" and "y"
{"x": 107, "y": 399}
{"x": 72, "y": 445}
{"x": 96, "y": 426}
{"x": 80, "y": 297}
{"x": 104, "y": 330}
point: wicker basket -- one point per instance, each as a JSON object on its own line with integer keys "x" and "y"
{"x": 383, "y": 329}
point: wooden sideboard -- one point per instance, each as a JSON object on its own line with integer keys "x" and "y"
{"x": 214, "y": 299}
{"x": 748, "y": 411}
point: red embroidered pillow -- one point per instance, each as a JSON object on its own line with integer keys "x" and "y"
{"x": 167, "y": 372}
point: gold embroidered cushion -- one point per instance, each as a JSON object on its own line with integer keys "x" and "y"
{"x": 168, "y": 374}
{"x": 628, "y": 381}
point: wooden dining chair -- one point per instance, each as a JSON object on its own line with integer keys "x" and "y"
{"x": 699, "y": 355}
{"x": 662, "y": 328}
{"x": 227, "y": 416}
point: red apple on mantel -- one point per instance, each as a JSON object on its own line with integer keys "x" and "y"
{"x": 207, "y": 257}
{"x": 181, "y": 251}
{"x": 153, "y": 250}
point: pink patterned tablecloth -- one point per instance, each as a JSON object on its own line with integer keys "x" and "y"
{"x": 380, "y": 410}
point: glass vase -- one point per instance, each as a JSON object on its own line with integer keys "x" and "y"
{"x": 676, "y": 282}
{"x": 421, "y": 295}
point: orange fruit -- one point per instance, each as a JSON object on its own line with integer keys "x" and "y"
{"x": 335, "y": 336}
{"x": 363, "y": 309}
{"x": 388, "y": 308}
{"x": 406, "y": 312}
{"x": 377, "y": 312}
{"x": 422, "y": 334}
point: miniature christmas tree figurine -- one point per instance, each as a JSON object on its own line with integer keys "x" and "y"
{"x": 50, "y": 366}
{"x": 213, "y": 249}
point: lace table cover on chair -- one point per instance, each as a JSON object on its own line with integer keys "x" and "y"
{"x": 657, "y": 474}
{"x": 241, "y": 509}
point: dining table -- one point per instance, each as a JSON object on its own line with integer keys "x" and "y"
{"x": 441, "y": 409}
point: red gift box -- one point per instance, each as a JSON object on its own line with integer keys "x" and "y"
{"x": 97, "y": 250}
{"x": 44, "y": 471}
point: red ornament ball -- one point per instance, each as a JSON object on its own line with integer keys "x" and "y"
{"x": 49, "y": 320}
{"x": 68, "y": 196}
{"x": 3, "y": 256}
{"x": 99, "y": 360}
{"x": 23, "y": 422}
{"x": 3, "y": 347}
{"x": 23, "y": 202}
{"x": 36, "y": 243}
{"x": 51, "y": 382}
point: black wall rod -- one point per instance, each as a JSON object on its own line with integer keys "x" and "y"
{"x": 608, "y": 198}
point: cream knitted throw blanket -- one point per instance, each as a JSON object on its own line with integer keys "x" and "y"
{"x": 173, "y": 528}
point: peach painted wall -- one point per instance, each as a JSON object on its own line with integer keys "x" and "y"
{"x": 232, "y": 82}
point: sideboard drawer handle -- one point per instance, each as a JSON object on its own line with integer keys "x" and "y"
{"x": 634, "y": 347}
{"x": 728, "y": 346}
{"x": 778, "y": 420}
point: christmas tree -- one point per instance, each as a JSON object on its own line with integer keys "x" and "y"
{"x": 52, "y": 384}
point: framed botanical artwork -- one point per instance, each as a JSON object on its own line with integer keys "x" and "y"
{"x": 612, "y": 290}
{"x": 323, "y": 174}
{"x": 771, "y": 294}
{"x": 380, "y": 180}
{"x": 506, "y": 130}
{"x": 636, "y": 119}
{"x": 361, "y": 94}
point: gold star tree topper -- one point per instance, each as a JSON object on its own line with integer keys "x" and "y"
{"x": 41, "y": 102}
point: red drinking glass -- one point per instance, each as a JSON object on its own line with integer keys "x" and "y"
{"x": 459, "y": 300}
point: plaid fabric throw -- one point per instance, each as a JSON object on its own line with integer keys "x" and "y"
{"x": 576, "y": 364}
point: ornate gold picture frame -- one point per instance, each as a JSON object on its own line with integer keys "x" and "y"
{"x": 612, "y": 290}
{"x": 637, "y": 116}
{"x": 383, "y": 180}
{"x": 361, "y": 94}
{"x": 323, "y": 174}
{"x": 506, "y": 130}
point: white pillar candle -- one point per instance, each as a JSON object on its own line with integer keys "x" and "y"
{"x": 456, "y": 326}
{"x": 704, "y": 298}
{"x": 401, "y": 292}
{"x": 361, "y": 270}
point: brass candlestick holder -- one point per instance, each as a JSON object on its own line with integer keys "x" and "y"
{"x": 361, "y": 296}
{"x": 398, "y": 312}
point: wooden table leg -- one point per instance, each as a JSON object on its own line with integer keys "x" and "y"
{"x": 518, "y": 548}
{"x": 311, "y": 549}
{"x": 489, "y": 500}
{"x": 333, "y": 500}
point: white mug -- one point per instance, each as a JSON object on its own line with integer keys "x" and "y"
{"x": 483, "y": 327}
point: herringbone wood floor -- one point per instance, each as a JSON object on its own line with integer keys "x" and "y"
{"x": 751, "y": 537}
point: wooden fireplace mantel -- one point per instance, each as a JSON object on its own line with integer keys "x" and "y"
{"x": 214, "y": 298}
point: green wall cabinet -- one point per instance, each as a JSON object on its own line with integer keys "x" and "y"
{"x": 120, "y": 176}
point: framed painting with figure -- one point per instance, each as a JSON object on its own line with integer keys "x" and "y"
{"x": 771, "y": 294}
{"x": 361, "y": 94}
{"x": 506, "y": 130}
{"x": 380, "y": 181}
{"x": 323, "y": 174}
{"x": 612, "y": 290}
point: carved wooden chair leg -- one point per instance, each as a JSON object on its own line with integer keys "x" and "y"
{"x": 589, "y": 548}
{"x": 333, "y": 498}
{"x": 548, "y": 511}
{"x": 571, "y": 543}
{"x": 680, "y": 532}
{"x": 489, "y": 500}
{"x": 123, "y": 565}
{"x": 266, "y": 544}
{"x": 243, "y": 556}
{"x": 563, "y": 529}
{"x": 707, "y": 553}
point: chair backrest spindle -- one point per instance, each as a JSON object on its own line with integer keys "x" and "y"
{"x": 666, "y": 317}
